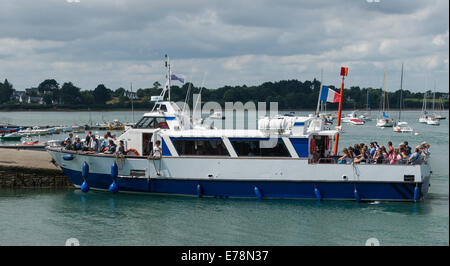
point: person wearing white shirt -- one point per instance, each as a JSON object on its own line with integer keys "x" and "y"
{"x": 157, "y": 149}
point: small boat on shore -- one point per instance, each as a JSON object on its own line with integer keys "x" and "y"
{"x": 10, "y": 137}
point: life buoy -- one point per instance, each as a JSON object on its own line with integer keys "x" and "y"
{"x": 312, "y": 146}
{"x": 132, "y": 150}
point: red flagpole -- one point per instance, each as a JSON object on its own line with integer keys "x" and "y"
{"x": 344, "y": 71}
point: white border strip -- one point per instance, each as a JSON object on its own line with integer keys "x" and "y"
{"x": 170, "y": 146}
{"x": 229, "y": 146}
{"x": 290, "y": 147}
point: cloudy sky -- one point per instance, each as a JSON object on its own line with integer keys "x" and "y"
{"x": 218, "y": 43}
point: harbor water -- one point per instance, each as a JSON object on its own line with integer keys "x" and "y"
{"x": 50, "y": 217}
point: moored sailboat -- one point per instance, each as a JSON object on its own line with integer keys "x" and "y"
{"x": 401, "y": 126}
{"x": 383, "y": 119}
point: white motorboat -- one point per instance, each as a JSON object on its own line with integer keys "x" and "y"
{"x": 356, "y": 122}
{"x": 403, "y": 129}
{"x": 217, "y": 116}
{"x": 353, "y": 119}
{"x": 423, "y": 118}
{"x": 35, "y": 131}
{"x": 431, "y": 120}
{"x": 384, "y": 122}
{"x": 285, "y": 157}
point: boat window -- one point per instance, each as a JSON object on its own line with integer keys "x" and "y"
{"x": 152, "y": 122}
{"x": 160, "y": 122}
{"x": 141, "y": 122}
{"x": 212, "y": 147}
{"x": 162, "y": 108}
{"x": 256, "y": 148}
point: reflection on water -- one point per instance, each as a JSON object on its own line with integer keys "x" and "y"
{"x": 100, "y": 218}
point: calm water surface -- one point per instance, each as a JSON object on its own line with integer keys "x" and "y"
{"x": 49, "y": 217}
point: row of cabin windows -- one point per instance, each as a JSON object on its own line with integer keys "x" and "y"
{"x": 200, "y": 147}
{"x": 256, "y": 148}
{"x": 242, "y": 148}
{"x": 152, "y": 122}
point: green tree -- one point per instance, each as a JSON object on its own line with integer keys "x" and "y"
{"x": 101, "y": 94}
{"x": 6, "y": 90}
{"x": 70, "y": 94}
{"x": 119, "y": 92}
{"x": 48, "y": 85}
{"x": 87, "y": 98}
{"x": 47, "y": 98}
{"x": 156, "y": 85}
{"x": 140, "y": 93}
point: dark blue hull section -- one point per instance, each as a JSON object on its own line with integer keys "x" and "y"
{"x": 269, "y": 189}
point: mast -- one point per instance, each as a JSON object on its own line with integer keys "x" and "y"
{"x": 320, "y": 92}
{"x": 166, "y": 86}
{"x": 434, "y": 94}
{"x": 168, "y": 75}
{"x": 401, "y": 95}
{"x": 344, "y": 71}
{"x": 384, "y": 91}
{"x": 132, "y": 106}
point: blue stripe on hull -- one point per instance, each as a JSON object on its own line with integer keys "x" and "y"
{"x": 271, "y": 189}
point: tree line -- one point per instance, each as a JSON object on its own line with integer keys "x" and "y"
{"x": 290, "y": 94}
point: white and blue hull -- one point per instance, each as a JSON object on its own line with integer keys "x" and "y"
{"x": 250, "y": 177}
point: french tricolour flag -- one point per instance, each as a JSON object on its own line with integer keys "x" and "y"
{"x": 329, "y": 95}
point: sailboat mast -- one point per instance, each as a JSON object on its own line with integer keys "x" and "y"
{"x": 384, "y": 91}
{"x": 401, "y": 96}
{"x": 132, "y": 105}
{"x": 434, "y": 95}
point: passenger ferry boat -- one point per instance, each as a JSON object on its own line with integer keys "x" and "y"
{"x": 285, "y": 157}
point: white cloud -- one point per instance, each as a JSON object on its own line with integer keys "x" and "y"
{"x": 441, "y": 39}
{"x": 116, "y": 42}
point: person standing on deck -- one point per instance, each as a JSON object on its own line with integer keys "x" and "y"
{"x": 68, "y": 142}
{"x": 157, "y": 150}
{"x": 121, "y": 149}
{"x": 94, "y": 144}
{"x": 407, "y": 148}
{"x": 87, "y": 139}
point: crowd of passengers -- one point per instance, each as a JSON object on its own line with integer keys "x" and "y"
{"x": 374, "y": 153}
{"x": 107, "y": 145}
{"x": 92, "y": 144}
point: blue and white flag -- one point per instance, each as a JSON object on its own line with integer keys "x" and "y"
{"x": 385, "y": 115}
{"x": 180, "y": 78}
